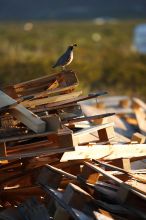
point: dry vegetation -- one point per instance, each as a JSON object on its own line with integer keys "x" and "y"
{"x": 104, "y": 58}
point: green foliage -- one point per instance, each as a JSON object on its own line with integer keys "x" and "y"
{"x": 104, "y": 58}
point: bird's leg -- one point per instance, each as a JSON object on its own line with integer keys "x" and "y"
{"x": 64, "y": 68}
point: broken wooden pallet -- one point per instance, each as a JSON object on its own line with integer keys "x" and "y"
{"x": 43, "y": 86}
{"x": 31, "y": 145}
{"x": 21, "y": 113}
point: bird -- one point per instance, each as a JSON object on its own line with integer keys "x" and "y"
{"x": 66, "y": 58}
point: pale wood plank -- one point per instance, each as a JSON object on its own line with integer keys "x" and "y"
{"x": 52, "y": 99}
{"x": 107, "y": 152}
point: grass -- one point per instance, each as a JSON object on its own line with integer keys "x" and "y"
{"x": 103, "y": 59}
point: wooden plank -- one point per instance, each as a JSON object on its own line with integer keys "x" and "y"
{"x": 87, "y": 118}
{"x": 106, "y": 134}
{"x": 107, "y": 216}
{"x": 31, "y": 135}
{"x": 6, "y": 101}
{"x": 70, "y": 112}
{"x": 3, "y": 151}
{"x": 53, "y": 99}
{"x": 109, "y": 166}
{"x": 93, "y": 129}
{"x": 103, "y": 172}
{"x": 124, "y": 103}
{"x": 126, "y": 164}
{"x": 139, "y": 108}
{"x": 138, "y": 103}
{"x": 118, "y": 181}
{"x": 49, "y": 177}
{"x": 47, "y": 93}
{"x": 139, "y": 138}
{"x": 106, "y": 152}
{"x": 53, "y": 122}
{"x": 40, "y": 152}
{"x": 66, "y": 210}
{"x": 75, "y": 197}
{"x": 90, "y": 134}
{"x": 34, "y": 86}
{"x": 61, "y": 213}
{"x": 74, "y": 100}
{"x": 141, "y": 120}
{"x": 62, "y": 172}
{"x": 88, "y": 175}
{"x": 69, "y": 76}
{"x": 28, "y": 118}
{"x": 59, "y": 139}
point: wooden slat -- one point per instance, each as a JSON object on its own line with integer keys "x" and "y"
{"x": 28, "y": 118}
{"x": 140, "y": 116}
{"x": 93, "y": 129}
{"x": 65, "y": 207}
{"x": 91, "y": 134}
{"x": 32, "y": 87}
{"x": 5, "y": 100}
{"x": 118, "y": 181}
{"x": 107, "y": 152}
{"x": 53, "y": 99}
{"x": 138, "y": 103}
{"x": 139, "y": 108}
{"x": 32, "y": 135}
{"x": 40, "y": 152}
{"x": 75, "y": 100}
{"x": 87, "y": 118}
{"x": 139, "y": 138}
{"x": 62, "y": 172}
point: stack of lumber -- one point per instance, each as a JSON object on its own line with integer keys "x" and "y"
{"x": 65, "y": 155}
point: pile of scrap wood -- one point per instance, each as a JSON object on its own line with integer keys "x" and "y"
{"x": 65, "y": 155}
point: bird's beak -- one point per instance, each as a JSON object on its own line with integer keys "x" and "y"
{"x": 74, "y": 45}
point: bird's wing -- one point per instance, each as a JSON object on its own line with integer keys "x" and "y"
{"x": 62, "y": 60}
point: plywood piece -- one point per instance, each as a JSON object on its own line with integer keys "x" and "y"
{"x": 107, "y": 152}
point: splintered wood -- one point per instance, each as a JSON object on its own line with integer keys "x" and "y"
{"x": 65, "y": 155}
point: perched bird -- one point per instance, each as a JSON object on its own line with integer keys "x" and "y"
{"x": 66, "y": 58}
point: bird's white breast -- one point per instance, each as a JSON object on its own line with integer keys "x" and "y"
{"x": 71, "y": 58}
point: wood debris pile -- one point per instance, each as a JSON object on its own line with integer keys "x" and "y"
{"x": 64, "y": 155}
